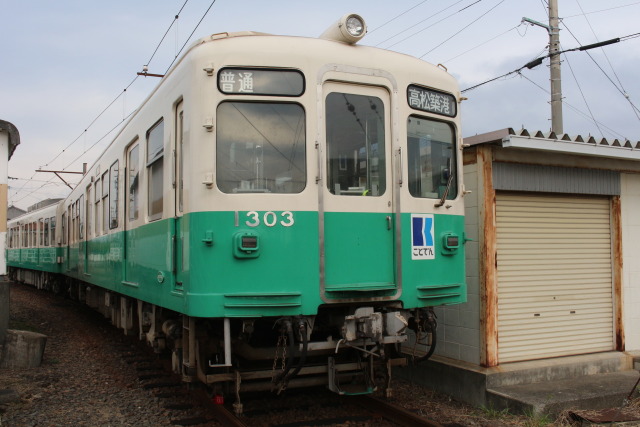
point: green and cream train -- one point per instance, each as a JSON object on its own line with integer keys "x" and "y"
{"x": 280, "y": 211}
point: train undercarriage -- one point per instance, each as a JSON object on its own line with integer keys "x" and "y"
{"x": 350, "y": 349}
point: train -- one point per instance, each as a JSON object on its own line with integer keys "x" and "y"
{"x": 279, "y": 212}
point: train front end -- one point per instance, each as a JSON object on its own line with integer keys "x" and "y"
{"x": 323, "y": 219}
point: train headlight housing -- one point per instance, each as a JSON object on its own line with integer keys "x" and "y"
{"x": 348, "y": 29}
{"x": 355, "y": 26}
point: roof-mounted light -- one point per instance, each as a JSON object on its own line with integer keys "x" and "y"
{"x": 348, "y": 29}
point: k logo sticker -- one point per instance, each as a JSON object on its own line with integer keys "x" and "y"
{"x": 422, "y": 246}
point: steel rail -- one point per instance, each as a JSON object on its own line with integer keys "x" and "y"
{"x": 394, "y": 413}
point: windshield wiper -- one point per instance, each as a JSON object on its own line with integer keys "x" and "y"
{"x": 446, "y": 190}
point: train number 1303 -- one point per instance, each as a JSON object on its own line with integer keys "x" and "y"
{"x": 270, "y": 219}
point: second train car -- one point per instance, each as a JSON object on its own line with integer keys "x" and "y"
{"x": 279, "y": 212}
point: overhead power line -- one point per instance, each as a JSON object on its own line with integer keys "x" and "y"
{"x": 463, "y": 28}
{"x": 397, "y": 16}
{"x": 190, "y": 35}
{"x": 601, "y": 10}
{"x": 538, "y": 61}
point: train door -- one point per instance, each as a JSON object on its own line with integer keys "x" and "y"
{"x": 357, "y": 224}
{"x": 179, "y": 232}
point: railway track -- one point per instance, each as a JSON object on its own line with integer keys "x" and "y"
{"x": 86, "y": 346}
{"x": 322, "y": 408}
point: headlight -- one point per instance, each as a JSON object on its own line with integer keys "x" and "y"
{"x": 349, "y": 29}
{"x": 355, "y": 25}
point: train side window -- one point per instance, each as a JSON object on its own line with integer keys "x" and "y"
{"x": 40, "y": 232}
{"x": 88, "y": 216}
{"x": 33, "y": 235}
{"x": 155, "y": 168}
{"x": 64, "y": 229}
{"x": 97, "y": 197}
{"x": 133, "y": 182}
{"x": 431, "y": 158}
{"x": 261, "y": 148}
{"x": 52, "y": 231}
{"x": 45, "y": 241}
{"x": 105, "y": 202}
{"x": 355, "y": 145}
{"x": 73, "y": 230}
{"x": 80, "y": 213}
{"x": 113, "y": 195}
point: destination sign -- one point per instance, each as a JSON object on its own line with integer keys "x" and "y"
{"x": 431, "y": 101}
{"x": 252, "y": 81}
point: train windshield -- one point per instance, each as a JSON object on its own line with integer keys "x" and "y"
{"x": 355, "y": 145}
{"x": 260, "y": 147}
{"x": 430, "y": 146}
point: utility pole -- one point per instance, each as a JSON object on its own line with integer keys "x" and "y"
{"x": 553, "y": 29}
{"x": 556, "y": 82}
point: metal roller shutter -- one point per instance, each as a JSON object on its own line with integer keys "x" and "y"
{"x": 554, "y": 276}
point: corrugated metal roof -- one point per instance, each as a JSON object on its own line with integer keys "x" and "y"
{"x": 499, "y": 135}
{"x": 549, "y": 141}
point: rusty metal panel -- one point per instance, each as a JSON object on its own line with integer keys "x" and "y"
{"x": 555, "y": 280}
{"x": 555, "y": 179}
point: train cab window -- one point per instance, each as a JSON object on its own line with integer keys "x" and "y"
{"x": 355, "y": 145}
{"x": 261, "y": 148}
{"x": 431, "y": 157}
{"x": 113, "y": 195}
{"x": 155, "y": 168}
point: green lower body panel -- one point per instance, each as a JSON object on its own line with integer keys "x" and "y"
{"x": 257, "y": 264}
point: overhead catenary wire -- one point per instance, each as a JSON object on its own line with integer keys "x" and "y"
{"x": 481, "y": 44}
{"x": 121, "y": 94}
{"x": 420, "y": 22}
{"x": 397, "y": 16}
{"x": 190, "y": 35}
{"x": 463, "y": 28}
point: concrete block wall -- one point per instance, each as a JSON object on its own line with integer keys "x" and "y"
{"x": 630, "y": 204}
{"x": 459, "y": 325}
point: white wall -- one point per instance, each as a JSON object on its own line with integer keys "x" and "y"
{"x": 459, "y": 325}
{"x": 630, "y": 204}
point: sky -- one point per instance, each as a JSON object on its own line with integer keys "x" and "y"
{"x": 65, "y": 64}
